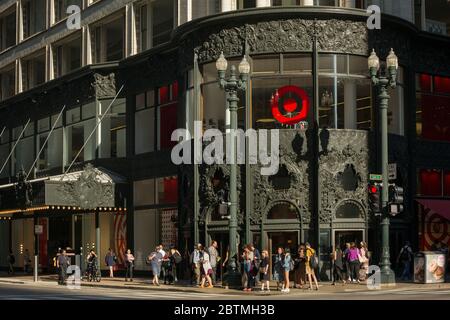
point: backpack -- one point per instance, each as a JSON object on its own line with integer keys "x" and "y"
{"x": 314, "y": 261}
{"x": 177, "y": 258}
{"x": 405, "y": 255}
{"x": 291, "y": 265}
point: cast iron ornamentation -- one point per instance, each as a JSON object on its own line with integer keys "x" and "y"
{"x": 87, "y": 192}
{"x": 105, "y": 86}
{"x": 294, "y": 157}
{"x": 347, "y": 149}
{"x": 290, "y": 35}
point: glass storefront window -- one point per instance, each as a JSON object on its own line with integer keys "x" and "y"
{"x": 263, "y": 89}
{"x": 429, "y": 182}
{"x": 113, "y": 129}
{"x": 77, "y": 135}
{"x": 433, "y": 107}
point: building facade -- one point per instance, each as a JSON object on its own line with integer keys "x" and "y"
{"x": 100, "y": 103}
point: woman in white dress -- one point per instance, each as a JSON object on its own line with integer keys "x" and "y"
{"x": 207, "y": 270}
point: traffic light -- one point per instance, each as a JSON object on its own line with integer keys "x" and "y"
{"x": 375, "y": 198}
{"x": 396, "y": 199}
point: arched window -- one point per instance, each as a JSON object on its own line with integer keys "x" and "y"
{"x": 348, "y": 210}
{"x": 283, "y": 211}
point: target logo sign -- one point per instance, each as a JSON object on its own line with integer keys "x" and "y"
{"x": 290, "y": 105}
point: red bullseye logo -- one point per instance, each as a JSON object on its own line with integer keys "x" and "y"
{"x": 290, "y": 105}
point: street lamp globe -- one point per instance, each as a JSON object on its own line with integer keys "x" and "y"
{"x": 244, "y": 66}
{"x": 221, "y": 63}
{"x": 374, "y": 61}
{"x": 392, "y": 60}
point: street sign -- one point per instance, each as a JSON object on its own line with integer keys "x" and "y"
{"x": 38, "y": 229}
{"x": 392, "y": 170}
{"x": 376, "y": 177}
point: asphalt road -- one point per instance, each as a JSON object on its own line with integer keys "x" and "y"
{"x": 52, "y": 292}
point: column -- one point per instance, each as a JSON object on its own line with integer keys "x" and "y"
{"x": 228, "y": 5}
{"x": 19, "y": 83}
{"x": 350, "y": 104}
{"x": 307, "y": 2}
{"x": 19, "y": 22}
{"x": 86, "y": 56}
{"x": 49, "y": 68}
{"x": 130, "y": 30}
{"x": 262, "y": 3}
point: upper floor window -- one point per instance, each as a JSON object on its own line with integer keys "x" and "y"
{"x": 433, "y": 182}
{"x": 108, "y": 39}
{"x": 7, "y": 82}
{"x": 34, "y": 16}
{"x": 437, "y": 16}
{"x": 7, "y": 29}
{"x": 67, "y": 55}
{"x": 113, "y": 129}
{"x": 162, "y": 21}
{"x": 433, "y": 107}
{"x": 33, "y": 70}
{"x": 61, "y": 7}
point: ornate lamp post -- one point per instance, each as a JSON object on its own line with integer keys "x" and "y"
{"x": 231, "y": 86}
{"x": 383, "y": 80}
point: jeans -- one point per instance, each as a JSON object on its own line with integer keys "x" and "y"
{"x": 129, "y": 273}
{"x": 214, "y": 275}
{"x": 354, "y": 270}
{"x": 406, "y": 274}
{"x": 62, "y": 275}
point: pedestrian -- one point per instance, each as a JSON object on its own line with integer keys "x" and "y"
{"x": 110, "y": 261}
{"x": 364, "y": 261}
{"x": 156, "y": 260}
{"x": 353, "y": 261}
{"x": 264, "y": 271}
{"x": 405, "y": 257}
{"x": 26, "y": 261}
{"x": 311, "y": 265}
{"x": 195, "y": 258}
{"x": 129, "y": 263}
{"x": 11, "y": 259}
{"x": 256, "y": 261}
{"x": 175, "y": 259}
{"x": 62, "y": 263}
{"x": 248, "y": 280}
{"x": 278, "y": 274}
{"x": 206, "y": 270}
{"x": 164, "y": 269}
{"x": 214, "y": 257}
{"x": 346, "y": 263}
{"x": 338, "y": 265}
{"x": 300, "y": 268}
{"x": 288, "y": 266}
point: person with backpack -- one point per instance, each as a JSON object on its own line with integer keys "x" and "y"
{"x": 300, "y": 267}
{"x": 110, "y": 261}
{"x": 311, "y": 265}
{"x": 11, "y": 261}
{"x": 278, "y": 274}
{"x": 213, "y": 256}
{"x": 338, "y": 265}
{"x": 288, "y": 266}
{"x": 264, "y": 270}
{"x": 405, "y": 257}
{"x": 196, "y": 262}
{"x": 175, "y": 258}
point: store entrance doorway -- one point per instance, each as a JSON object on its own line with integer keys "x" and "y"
{"x": 284, "y": 240}
{"x": 341, "y": 237}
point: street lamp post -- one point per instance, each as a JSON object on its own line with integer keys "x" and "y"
{"x": 231, "y": 86}
{"x": 383, "y": 80}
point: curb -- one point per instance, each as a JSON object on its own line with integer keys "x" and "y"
{"x": 12, "y": 281}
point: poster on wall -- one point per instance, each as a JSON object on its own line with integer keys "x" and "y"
{"x": 429, "y": 267}
{"x": 168, "y": 229}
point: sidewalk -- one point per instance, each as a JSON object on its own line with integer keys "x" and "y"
{"x": 145, "y": 284}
